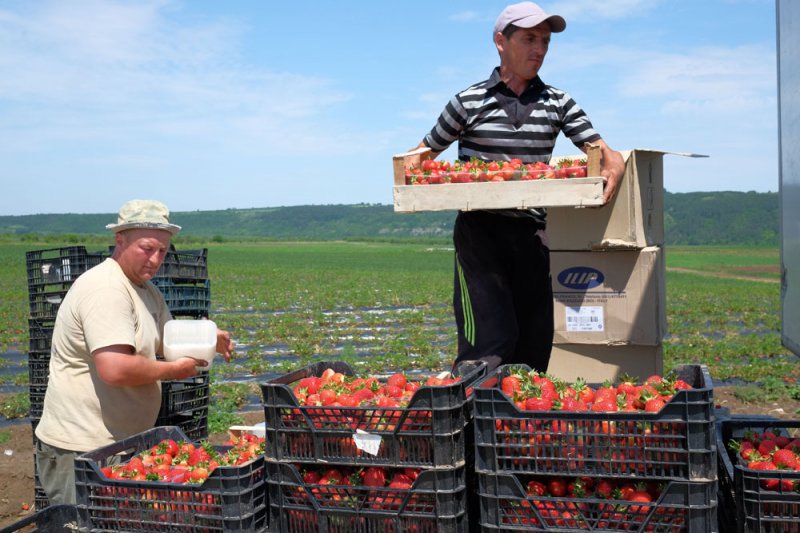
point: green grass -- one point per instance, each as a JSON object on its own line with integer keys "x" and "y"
{"x": 387, "y": 306}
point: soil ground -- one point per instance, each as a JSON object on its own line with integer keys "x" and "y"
{"x": 16, "y": 463}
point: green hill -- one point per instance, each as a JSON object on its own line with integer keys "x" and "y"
{"x": 705, "y": 218}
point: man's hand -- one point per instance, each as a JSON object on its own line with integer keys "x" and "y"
{"x": 612, "y": 168}
{"x": 186, "y": 367}
{"x": 224, "y": 344}
{"x": 119, "y": 366}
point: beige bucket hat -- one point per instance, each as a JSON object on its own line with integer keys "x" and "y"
{"x": 145, "y": 214}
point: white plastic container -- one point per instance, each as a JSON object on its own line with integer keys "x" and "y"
{"x": 190, "y": 338}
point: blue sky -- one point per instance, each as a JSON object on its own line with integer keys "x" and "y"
{"x": 234, "y": 104}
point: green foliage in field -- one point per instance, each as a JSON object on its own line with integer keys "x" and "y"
{"x": 696, "y": 218}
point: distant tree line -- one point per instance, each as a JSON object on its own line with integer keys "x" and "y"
{"x": 698, "y": 218}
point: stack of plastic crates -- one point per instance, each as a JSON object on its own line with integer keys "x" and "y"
{"x": 754, "y": 500}
{"x": 531, "y": 464}
{"x": 430, "y": 437}
{"x": 184, "y": 403}
{"x": 183, "y": 280}
{"x": 50, "y": 274}
{"x": 231, "y": 499}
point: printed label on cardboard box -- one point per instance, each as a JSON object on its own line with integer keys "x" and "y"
{"x": 584, "y": 318}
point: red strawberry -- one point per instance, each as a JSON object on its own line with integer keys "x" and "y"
{"x": 766, "y": 447}
{"x": 374, "y": 477}
{"x": 784, "y": 459}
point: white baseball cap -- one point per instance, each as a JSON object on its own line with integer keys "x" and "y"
{"x": 528, "y": 15}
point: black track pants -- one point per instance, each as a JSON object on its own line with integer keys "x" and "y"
{"x": 503, "y": 297}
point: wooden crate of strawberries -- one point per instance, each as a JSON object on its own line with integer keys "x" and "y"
{"x": 424, "y": 184}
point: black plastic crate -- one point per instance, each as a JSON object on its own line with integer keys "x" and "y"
{"x": 741, "y": 488}
{"x": 231, "y": 499}
{"x": 57, "y": 266}
{"x": 52, "y": 519}
{"x": 182, "y": 395}
{"x": 193, "y": 423}
{"x": 436, "y": 502}
{"x": 185, "y": 298}
{"x": 36, "y": 394}
{"x": 429, "y": 432}
{"x": 676, "y": 443}
{"x": 682, "y": 506}
{"x": 40, "y": 334}
{"x": 40, "y": 498}
{"x": 38, "y": 367}
{"x": 44, "y": 305}
{"x": 182, "y": 266}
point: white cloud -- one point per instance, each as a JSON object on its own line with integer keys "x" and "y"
{"x": 78, "y": 68}
{"x": 587, "y": 10}
{"x": 466, "y": 16}
{"x": 716, "y": 79}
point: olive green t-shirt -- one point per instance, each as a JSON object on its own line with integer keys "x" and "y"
{"x": 102, "y": 308}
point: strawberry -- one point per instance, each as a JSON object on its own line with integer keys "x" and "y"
{"x": 766, "y": 447}
{"x": 784, "y": 459}
{"x": 536, "y": 488}
{"x": 401, "y": 481}
{"x": 374, "y": 476}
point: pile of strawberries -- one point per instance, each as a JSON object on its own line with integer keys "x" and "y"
{"x": 183, "y": 462}
{"x": 346, "y": 486}
{"x": 772, "y": 450}
{"x": 334, "y": 389}
{"x": 336, "y": 401}
{"x": 535, "y": 391}
{"x": 590, "y": 503}
{"x": 431, "y": 172}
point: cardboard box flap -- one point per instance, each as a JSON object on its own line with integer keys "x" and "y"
{"x": 663, "y": 152}
{"x": 633, "y": 219}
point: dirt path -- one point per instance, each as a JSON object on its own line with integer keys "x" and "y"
{"x": 726, "y": 275}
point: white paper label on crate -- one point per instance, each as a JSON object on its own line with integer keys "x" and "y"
{"x": 367, "y": 442}
{"x": 584, "y": 318}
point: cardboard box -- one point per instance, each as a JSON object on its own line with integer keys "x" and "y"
{"x": 493, "y": 195}
{"x": 597, "y": 363}
{"x": 633, "y": 219}
{"x": 611, "y": 297}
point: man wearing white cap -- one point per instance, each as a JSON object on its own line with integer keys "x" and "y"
{"x": 105, "y": 380}
{"x": 502, "y": 296}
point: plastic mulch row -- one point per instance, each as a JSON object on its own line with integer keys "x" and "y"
{"x": 429, "y": 432}
{"x": 676, "y": 443}
{"x": 681, "y": 506}
{"x": 231, "y": 499}
{"x": 436, "y": 502}
{"x": 749, "y": 494}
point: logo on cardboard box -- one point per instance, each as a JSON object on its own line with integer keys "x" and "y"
{"x": 581, "y": 278}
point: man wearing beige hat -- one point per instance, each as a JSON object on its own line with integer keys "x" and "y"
{"x": 105, "y": 380}
{"x": 502, "y": 295}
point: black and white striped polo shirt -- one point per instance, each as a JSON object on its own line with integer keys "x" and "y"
{"x": 493, "y": 123}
